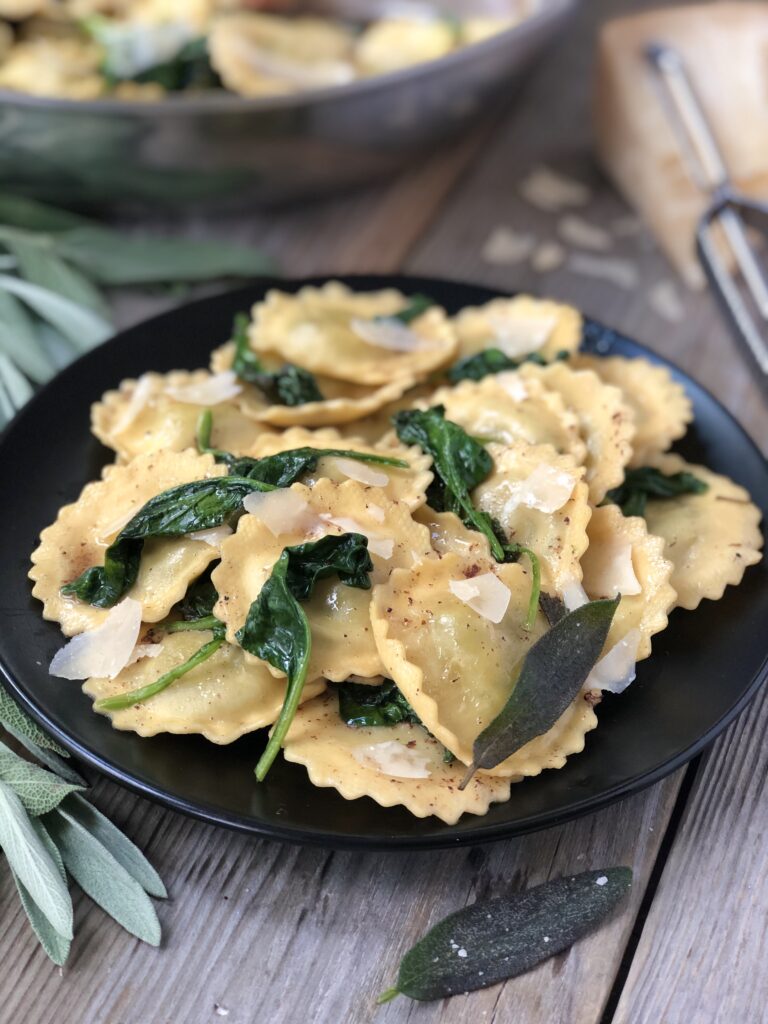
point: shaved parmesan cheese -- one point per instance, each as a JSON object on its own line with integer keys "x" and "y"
{"x": 611, "y": 571}
{"x": 388, "y": 333}
{"x": 302, "y": 74}
{"x": 505, "y": 246}
{"x": 376, "y": 512}
{"x": 617, "y": 669}
{"x": 281, "y": 511}
{"x": 141, "y": 651}
{"x": 580, "y": 232}
{"x": 518, "y": 335}
{"x": 485, "y": 594}
{"x": 377, "y": 545}
{"x": 362, "y": 473}
{"x": 111, "y": 529}
{"x": 546, "y": 489}
{"x": 102, "y": 652}
{"x": 136, "y": 403}
{"x": 514, "y": 386}
{"x": 546, "y": 190}
{"x": 219, "y": 387}
{"x": 574, "y": 595}
{"x": 215, "y": 536}
{"x": 393, "y": 758}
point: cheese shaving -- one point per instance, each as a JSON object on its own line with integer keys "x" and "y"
{"x": 518, "y": 335}
{"x": 303, "y": 75}
{"x": 102, "y": 652}
{"x": 514, "y": 386}
{"x": 616, "y": 669}
{"x": 141, "y": 651}
{"x": 611, "y": 570}
{"x": 388, "y": 333}
{"x": 215, "y": 536}
{"x": 574, "y": 595}
{"x": 361, "y": 472}
{"x": 136, "y": 403}
{"x": 377, "y": 545}
{"x": 219, "y": 387}
{"x": 376, "y": 512}
{"x": 546, "y": 489}
{"x": 111, "y": 529}
{"x": 485, "y": 594}
{"x": 281, "y": 511}
{"x": 393, "y": 758}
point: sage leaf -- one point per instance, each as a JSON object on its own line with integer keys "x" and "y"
{"x": 55, "y": 945}
{"x": 32, "y": 215}
{"x": 16, "y": 385}
{"x": 186, "y": 508}
{"x": 20, "y": 725}
{"x": 83, "y": 328}
{"x": 102, "y": 877}
{"x": 276, "y": 628}
{"x": 111, "y": 258}
{"x": 493, "y": 940}
{"x": 39, "y": 790}
{"x": 30, "y": 859}
{"x": 117, "y": 843}
{"x": 37, "y": 262}
{"x": 648, "y": 482}
{"x": 19, "y": 340}
{"x": 552, "y": 673}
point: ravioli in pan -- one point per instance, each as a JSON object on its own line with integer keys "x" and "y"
{"x": 415, "y": 549}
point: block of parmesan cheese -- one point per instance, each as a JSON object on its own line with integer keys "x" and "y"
{"x": 725, "y": 49}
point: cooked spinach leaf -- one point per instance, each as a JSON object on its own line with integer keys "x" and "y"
{"x": 361, "y": 704}
{"x": 492, "y": 940}
{"x": 200, "y": 505}
{"x": 199, "y": 599}
{"x": 648, "y": 482}
{"x": 551, "y": 675}
{"x": 290, "y": 385}
{"x": 417, "y": 306}
{"x": 283, "y": 468}
{"x": 276, "y": 628}
{"x": 493, "y": 360}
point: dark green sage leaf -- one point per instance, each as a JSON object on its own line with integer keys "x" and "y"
{"x": 187, "y": 508}
{"x": 276, "y": 628}
{"x": 32, "y": 215}
{"x": 552, "y": 673}
{"x": 648, "y": 482}
{"x": 497, "y": 939}
{"x": 361, "y": 704}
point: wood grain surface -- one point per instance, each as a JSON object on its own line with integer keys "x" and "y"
{"x": 261, "y": 931}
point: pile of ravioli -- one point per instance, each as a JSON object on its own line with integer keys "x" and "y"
{"x": 443, "y": 620}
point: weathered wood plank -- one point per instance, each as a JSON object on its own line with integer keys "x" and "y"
{"x": 279, "y": 933}
{"x": 701, "y": 953}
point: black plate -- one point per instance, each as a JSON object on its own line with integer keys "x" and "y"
{"x": 705, "y": 666}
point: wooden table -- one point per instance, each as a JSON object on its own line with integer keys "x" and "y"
{"x": 254, "y": 930}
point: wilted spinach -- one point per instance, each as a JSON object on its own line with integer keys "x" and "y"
{"x": 290, "y": 385}
{"x": 361, "y": 704}
{"x": 648, "y": 482}
{"x": 417, "y": 306}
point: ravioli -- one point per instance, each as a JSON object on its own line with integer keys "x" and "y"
{"x": 454, "y": 665}
{"x": 406, "y": 485}
{"x": 355, "y": 762}
{"x": 318, "y": 329}
{"x": 521, "y": 493}
{"x": 83, "y": 531}
{"x": 519, "y": 326}
{"x": 710, "y": 538}
{"x": 606, "y": 422}
{"x": 661, "y": 407}
{"x": 344, "y": 402}
{"x": 448, "y": 534}
{"x": 390, "y": 44}
{"x": 376, "y": 425}
{"x": 339, "y": 615}
{"x": 506, "y": 407}
{"x": 142, "y": 417}
{"x": 66, "y": 68}
{"x": 222, "y": 699}
{"x": 620, "y": 547}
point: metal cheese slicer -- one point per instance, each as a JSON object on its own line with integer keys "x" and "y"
{"x": 742, "y": 291}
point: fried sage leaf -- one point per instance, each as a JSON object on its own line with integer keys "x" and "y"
{"x": 276, "y": 628}
{"x": 552, "y": 673}
{"x": 497, "y": 939}
{"x": 187, "y": 508}
{"x": 648, "y": 482}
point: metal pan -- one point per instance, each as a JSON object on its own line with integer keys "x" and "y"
{"x": 220, "y": 150}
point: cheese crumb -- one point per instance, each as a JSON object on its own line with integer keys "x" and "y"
{"x": 602, "y": 880}
{"x": 219, "y": 387}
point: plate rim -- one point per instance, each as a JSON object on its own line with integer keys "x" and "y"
{"x": 310, "y": 836}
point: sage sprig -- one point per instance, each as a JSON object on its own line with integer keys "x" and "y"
{"x": 493, "y": 940}
{"x": 48, "y": 831}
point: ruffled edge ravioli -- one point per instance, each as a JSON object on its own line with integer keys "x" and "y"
{"x": 710, "y": 538}
{"x": 346, "y": 402}
{"x": 83, "y": 531}
{"x": 661, "y": 407}
{"x": 325, "y": 745}
{"x": 311, "y": 328}
{"x": 406, "y": 485}
{"x": 606, "y": 422}
{"x": 536, "y": 325}
{"x": 140, "y": 417}
{"x": 647, "y": 611}
{"x": 222, "y": 699}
